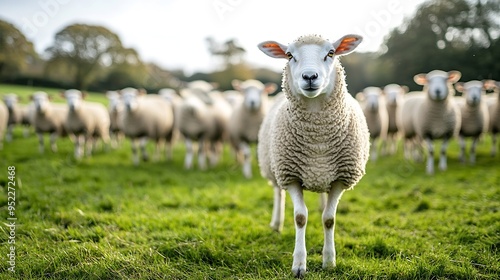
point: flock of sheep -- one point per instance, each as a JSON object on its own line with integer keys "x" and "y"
{"x": 313, "y": 136}
{"x": 436, "y": 113}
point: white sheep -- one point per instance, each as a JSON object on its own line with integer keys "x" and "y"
{"x": 86, "y": 123}
{"x": 247, "y": 117}
{"x": 48, "y": 118}
{"x": 474, "y": 114}
{"x": 203, "y": 122}
{"x": 315, "y": 139}
{"x": 372, "y": 101}
{"x": 147, "y": 117}
{"x": 493, "y": 102}
{"x": 115, "y": 110}
{"x": 434, "y": 113}
{"x": 19, "y": 114}
{"x": 4, "y": 119}
{"x": 175, "y": 100}
{"x": 394, "y": 95}
{"x": 412, "y": 145}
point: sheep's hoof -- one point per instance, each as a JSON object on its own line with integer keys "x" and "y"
{"x": 276, "y": 228}
{"x": 299, "y": 272}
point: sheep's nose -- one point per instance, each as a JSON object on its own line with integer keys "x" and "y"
{"x": 310, "y": 76}
{"x": 438, "y": 92}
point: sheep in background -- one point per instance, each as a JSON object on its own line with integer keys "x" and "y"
{"x": 234, "y": 97}
{"x": 372, "y": 101}
{"x": 412, "y": 145}
{"x": 434, "y": 114}
{"x": 247, "y": 117}
{"x": 48, "y": 118}
{"x": 19, "y": 114}
{"x": 315, "y": 139}
{"x": 394, "y": 95}
{"x": 4, "y": 119}
{"x": 203, "y": 122}
{"x": 86, "y": 122}
{"x": 493, "y": 102}
{"x": 170, "y": 95}
{"x": 147, "y": 117}
{"x": 115, "y": 110}
{"x": 475, "y": 116}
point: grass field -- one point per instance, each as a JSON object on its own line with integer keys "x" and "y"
{"x": 103, "y": 218}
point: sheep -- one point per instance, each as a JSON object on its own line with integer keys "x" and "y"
{"x": 19, "y": 114}
{"x": 474, "y": 114}
{"x": 49, "y": 118}
{"x": 86, "y": 122}
{"x": 493, "y": 102}
{"x": 394, "y": 95}
{"x": 4, "y": 119}
{"x": 147, "y": 117}
{"x": 175, "y": 100}
{"x": 115, "y": 111}
{"x": 373, "y": 104}
{"x": 315, "y": 139}
{"x": 203, "y": 122}
{"x": 434, "y": 113}
{"x": 412, "y": 145}
{"x": 247, "y": 117}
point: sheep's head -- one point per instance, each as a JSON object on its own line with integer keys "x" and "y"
{"x": 114, "y": 100}
{"x": 41, "y": 101}
{"x": 372, "y": 97}
{"x": 472, "y": 91}
{"x": 311, "y": 61}
{"x": 130, "y": 98}
{"x": 438, "y": 84}
{"x": 10, "y": 100}
{"x": 74, "y": 98}
{"x": 254, "y": 92}
{"x": 394, "y": 92}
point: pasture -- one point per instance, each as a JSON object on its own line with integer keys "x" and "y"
{"x": 103, "y": 218}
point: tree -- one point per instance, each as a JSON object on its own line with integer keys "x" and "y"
{"x": 16, "y": 52}
{"x": 446, "y": 34}
{"x": 88, "y": 51}
{"x": 230, "y": 51}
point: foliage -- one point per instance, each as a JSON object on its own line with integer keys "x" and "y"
{"x": 103, "y": 218}
{"x": 16, "y": 52}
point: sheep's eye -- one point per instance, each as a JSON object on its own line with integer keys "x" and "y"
{"x": 290, "y": 56}
{"x": 331, "y": 53}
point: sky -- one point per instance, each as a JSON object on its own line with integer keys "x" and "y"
{"x": 172, "y": 33}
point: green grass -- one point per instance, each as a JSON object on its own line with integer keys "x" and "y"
{"x": 103, "y": 218}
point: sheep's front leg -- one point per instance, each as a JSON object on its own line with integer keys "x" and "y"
{"x": 202, "y": 157}
{"x": 79, "y": 142}
{"x": 430, "y": 156}
{"x": 144, "y": 152}
{"x": 41, "y": 147}
{"x": 329, "y": 224}
{"x": 472, "y": 157}
{"x": 89, "y": 144}
{"x": 188, "y": 159}
{"x": 53, "y": 145}
{"x": 247, "y": 160}
{"x": 300, "y": 216}
{"x": 278, "y": 215}
{"x": 461, "y": 157}
{"x": 442, "y": 155}
{"x": 135, "y": 156}
{"x": 8, "y": 137}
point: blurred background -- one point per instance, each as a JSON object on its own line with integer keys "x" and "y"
{"x": 99, "y": 46}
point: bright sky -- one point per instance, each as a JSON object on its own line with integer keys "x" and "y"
{"x": 172, "y": 33}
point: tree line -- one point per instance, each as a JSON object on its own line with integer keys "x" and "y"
{"x": 442, "y": 34}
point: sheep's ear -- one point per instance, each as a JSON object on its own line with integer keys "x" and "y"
{"x": 273, "y": 49}
{"x": 420, "y": 79}
{"x": 141, "y": 91}
{"x": 454, "y": 76}
{"x": 405, "y": 89}
{"x": 347, "y": 44}
{"x": 459, "y": 86}
{"x": 236, "y": 84}
{"x": 62, "y": 94}
{"x": 84, "y": 94}
{"x": 270, "y": 88}
{"x": 31, "y": 97}
{"x": 360, "y": 96}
